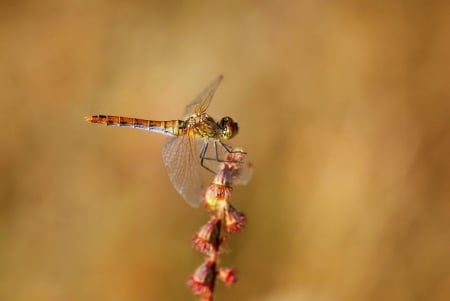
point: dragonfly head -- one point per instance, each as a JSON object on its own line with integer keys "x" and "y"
{"x": 229, "y": 128}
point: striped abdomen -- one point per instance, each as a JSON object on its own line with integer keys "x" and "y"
{"x": 169, "y": 127}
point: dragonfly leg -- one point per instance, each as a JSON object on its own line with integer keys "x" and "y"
{"x": 217, "y": 158}
{"x": 202, "y": 156}
{"x": 229, "y": 149}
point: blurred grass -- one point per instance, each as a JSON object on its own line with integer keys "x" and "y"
{"x": 343, "y": 108}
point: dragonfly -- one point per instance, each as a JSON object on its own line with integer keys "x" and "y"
{"x": 188, "y": 147}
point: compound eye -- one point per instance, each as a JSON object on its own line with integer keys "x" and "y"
{"x": 224, "y": 122}
{"x": 229, "y": 128}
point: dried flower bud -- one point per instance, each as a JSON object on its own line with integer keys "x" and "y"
{"x": 216, "y": 195}
{"x": 208, "y": 238}
{"x": 203, "y": 280}
{"x": 234, "y": 219}
{"x": 227, "y": 275}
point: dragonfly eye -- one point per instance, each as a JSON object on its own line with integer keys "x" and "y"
{"x": 229, "y": 128}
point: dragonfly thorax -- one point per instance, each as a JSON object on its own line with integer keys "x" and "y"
{"x": 228, "y": 127}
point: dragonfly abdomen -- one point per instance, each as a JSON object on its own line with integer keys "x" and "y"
{"x": 169, "y": 127}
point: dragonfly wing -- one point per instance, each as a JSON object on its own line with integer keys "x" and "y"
{"x": 182, "y": 161}
{"x": 245, "y": 172}
{"x": 202, "y": 101}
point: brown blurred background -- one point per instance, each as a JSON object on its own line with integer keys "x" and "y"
{"x": 343, "y": 108}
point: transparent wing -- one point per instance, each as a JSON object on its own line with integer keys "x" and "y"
{"x": 181, "y": 158}
{"x": 202, "y": 101}
{"x": 245, "y": 172}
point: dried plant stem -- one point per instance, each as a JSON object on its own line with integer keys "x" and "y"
{"x": 208, "y": 240}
